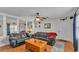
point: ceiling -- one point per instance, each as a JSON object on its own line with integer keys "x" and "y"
{"x": 53, "y": 12}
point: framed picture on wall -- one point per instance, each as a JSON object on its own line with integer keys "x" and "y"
{"x": 47, "y": 25}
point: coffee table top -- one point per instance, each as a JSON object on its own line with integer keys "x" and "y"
{"x": 36, "y": 42}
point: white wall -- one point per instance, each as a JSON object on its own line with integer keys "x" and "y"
{"x": 64, "y": 29}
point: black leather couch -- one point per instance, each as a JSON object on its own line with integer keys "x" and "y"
{"x": 44, "y": 36}
{"x": 18, "y": 39}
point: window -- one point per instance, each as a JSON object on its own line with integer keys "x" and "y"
{"x": 13, "y": 28}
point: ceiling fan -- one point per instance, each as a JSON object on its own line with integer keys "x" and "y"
{"x": 38, "y": 17}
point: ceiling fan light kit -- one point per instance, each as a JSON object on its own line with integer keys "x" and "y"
{"x": 37, "y": 19}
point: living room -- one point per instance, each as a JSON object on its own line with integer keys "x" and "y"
{"x": 37, "y": 29}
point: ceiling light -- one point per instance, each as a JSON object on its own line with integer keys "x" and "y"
{"x": 37, "y": 19}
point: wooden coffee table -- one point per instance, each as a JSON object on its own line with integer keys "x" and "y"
{"x": 35, "y": 45}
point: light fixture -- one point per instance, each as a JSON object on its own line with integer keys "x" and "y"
{"x": 37, "y": 19}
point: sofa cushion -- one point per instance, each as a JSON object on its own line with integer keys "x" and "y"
{"x": 41, "y": 35}
{"x": 23, "y": 36}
